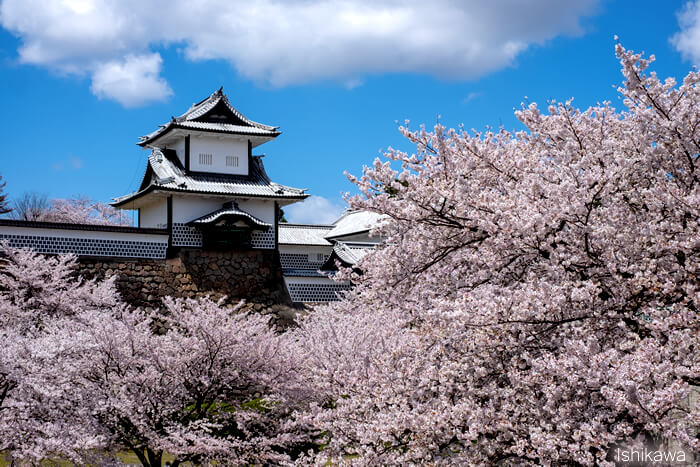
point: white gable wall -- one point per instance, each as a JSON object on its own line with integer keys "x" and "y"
{"x": 217, "y": 150}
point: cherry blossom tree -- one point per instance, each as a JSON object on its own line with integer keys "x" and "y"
{"x": 38, "y": 293}
{"x": 536, "y": 298}
{"x": 82, "y": 373}
{"x": 216, "y": 385}
{"x": 78, "y": 210}
{"x": 35, "y": 288}
{"x": 83, "y": 210}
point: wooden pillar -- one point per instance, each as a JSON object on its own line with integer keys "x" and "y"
{"x": 277, "y": 221}
{"x": 250, "y": 156}
{"x": 187, "y": 153}
{"x": 170, "y": 222}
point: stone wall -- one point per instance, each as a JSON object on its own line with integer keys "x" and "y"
{"x": 253, "y": 275}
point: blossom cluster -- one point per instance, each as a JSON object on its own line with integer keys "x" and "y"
{"x": 535, "y": 301}
{"x": 83, "y": 210}
{"x": 82, "y": 373}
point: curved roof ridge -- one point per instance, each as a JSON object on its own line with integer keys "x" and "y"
{"x": 188, "y": 121}
{"x": 202, "y": 107}
{"x": 229, "y": 209}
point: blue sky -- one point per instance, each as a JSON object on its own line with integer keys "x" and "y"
{"x": 81, "y": 80}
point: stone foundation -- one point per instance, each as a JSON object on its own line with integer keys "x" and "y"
{"x": 252, "y": 275}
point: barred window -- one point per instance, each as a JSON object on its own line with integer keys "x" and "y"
{"x": 205, "y": 159}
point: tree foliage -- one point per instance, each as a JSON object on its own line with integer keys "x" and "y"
{"x": 38, "y": 296}
{"x": 216, "y": 385}
{"x": 535, "y": 301}
{"x": 82, "y": 373}
{"x": 4, "y": 204}
{"x": 537, "y": 296}
{"x": 78, "y": 210}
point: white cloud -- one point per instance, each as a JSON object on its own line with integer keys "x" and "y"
{"x": 314, "y": 210}
{"x": 687, "y": 41}
{"x": 72, "y": 162}
{"x": 471, "y": 96}
{"x": 293, "y": 41}
{"x": 131, "y": 82}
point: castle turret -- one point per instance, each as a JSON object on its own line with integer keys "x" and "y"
{"x": 204, "y": 184}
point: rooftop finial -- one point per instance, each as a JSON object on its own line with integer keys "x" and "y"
{"x": 221, "y": 90}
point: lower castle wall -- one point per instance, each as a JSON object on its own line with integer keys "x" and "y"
{"x": 253, "y": 275}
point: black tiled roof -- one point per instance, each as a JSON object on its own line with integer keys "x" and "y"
{"x": 213, "y": 114}
{"x": 165, "y": 173}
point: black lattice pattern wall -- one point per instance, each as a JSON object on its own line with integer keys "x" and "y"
{"x": 88, "y": 246}
{"x": 264, "y": 240}
{"x": 318, "y": 292}
{"x": 184, "y": 235}
{"x": 301, "y": 261}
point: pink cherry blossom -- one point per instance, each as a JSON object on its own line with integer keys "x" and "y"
{"x": 82, "y": 374}
{"x": 536, "y": 297}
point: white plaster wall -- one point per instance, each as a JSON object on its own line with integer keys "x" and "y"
{"x": 219, "y": 149}
{"x": 262, "y": 209}
{"x": 154, "y": 215}
{"x": 188, "y": 208}
{"x": 179, "y": 147}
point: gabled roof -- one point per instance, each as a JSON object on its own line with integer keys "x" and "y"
{"x": 214, "y": 114}
{"x": 354, "y": 222}
{"x": 348, "y": 253}
{"x": 230, "y": 211}
{"x": 304, "y": 234}
{"x": 165, "y": 173}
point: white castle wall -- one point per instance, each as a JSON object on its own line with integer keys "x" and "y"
{"x": 186, "y": 209}
{"x": 264, "y": 210}
{"x": 154, "y": 215}
{"x": 219, "y": 149}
